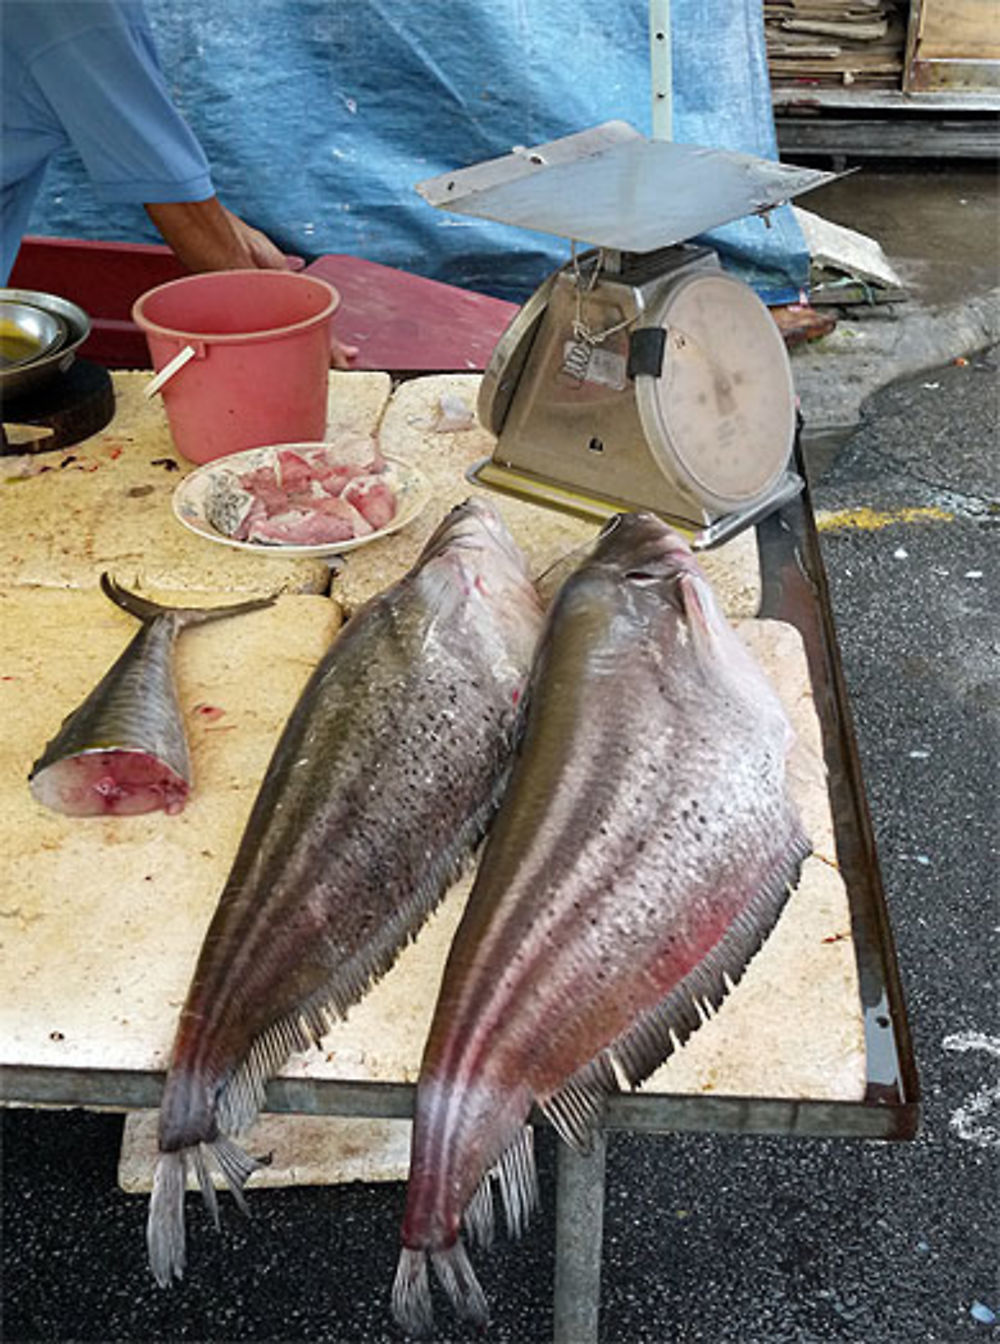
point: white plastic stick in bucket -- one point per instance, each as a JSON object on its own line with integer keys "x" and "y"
{"x": 169, "y": 369}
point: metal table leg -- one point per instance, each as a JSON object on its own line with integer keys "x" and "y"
{"x": 579, "y": 1236}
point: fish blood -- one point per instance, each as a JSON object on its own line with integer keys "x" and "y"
{"x": 644, "y": 848}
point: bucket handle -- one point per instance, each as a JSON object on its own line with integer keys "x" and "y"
{"x": 170, "y": 368}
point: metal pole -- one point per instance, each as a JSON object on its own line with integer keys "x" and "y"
{"x": 660, "y": 68}
{"x": 579, "y": 1236}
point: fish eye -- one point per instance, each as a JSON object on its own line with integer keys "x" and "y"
{"x": 641, "y": 576}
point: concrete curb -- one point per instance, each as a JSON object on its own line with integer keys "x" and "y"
{"x": 834, "y": 375}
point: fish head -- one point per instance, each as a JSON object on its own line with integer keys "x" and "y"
{"x": 471, "y": 555}
{"x": 663, "y": 590}
{"x": 643, "y": 548}
{"x": 473, "y": 525}
{"x": 635, "y": 569}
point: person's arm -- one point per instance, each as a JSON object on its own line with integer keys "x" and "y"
{"x": 205, "y": 236}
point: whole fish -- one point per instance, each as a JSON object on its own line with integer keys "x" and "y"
{"x": 378, "y": 791}
{"x": 643, "y": 850}
{"x": 123, "y": 750}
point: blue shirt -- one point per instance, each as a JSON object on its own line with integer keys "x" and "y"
{"x": 84, "y": 73}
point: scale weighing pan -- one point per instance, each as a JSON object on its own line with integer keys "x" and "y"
{"x": 639, "y": 375}
{"x": 612, "y": 187}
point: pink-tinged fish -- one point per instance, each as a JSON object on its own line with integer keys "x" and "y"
{"x": 379, "y": 790}
{"x": 644, "y": 849}
{"x": 123, "y": 750}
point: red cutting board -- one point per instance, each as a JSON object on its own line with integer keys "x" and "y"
{"x": 406, "y": 323}
{"x": 401, "y": 322}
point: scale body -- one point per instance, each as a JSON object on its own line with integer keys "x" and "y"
{"x": 685, "y": 408}
{"x": 640, "y": 375}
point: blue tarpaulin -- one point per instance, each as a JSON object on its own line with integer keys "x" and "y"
{"x": 318, "y": 116}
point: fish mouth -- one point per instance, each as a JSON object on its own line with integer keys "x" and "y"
{"x": 644, "y": 549}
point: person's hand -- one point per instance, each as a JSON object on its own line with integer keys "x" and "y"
{"x": 260, "y": 253}
{"x": 342, "y": 356}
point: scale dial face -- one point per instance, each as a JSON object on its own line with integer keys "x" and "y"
{"x": 721, "y": 414}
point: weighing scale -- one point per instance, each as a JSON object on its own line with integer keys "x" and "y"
{"x": 639, "y": 374}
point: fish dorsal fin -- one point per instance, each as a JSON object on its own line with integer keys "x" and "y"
{"x": 575, "y": 1109}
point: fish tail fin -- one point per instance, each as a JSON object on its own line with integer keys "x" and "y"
{"x": 165, "y": 1236}
{"x": 146, "y": 610}
{"x": 515, "y": 1173}
{"x": 165, "y": 1224}
{"x": 411, "y": 1294}
{"x": 457, "y": 1277}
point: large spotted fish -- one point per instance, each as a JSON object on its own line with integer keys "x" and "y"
{"x": 378, "y": 791}
{"x": 124, "y": 750}
{"x": 644, "y": 849}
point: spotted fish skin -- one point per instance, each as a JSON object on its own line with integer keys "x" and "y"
{"x": 644, "y": 848}
{"x": 377, "y": 794}
{"x": 123, "y": 750}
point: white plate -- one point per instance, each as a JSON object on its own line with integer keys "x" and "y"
{"x": 410, "y": 486}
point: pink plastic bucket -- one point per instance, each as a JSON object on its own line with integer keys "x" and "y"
{"x": 250, "y": 357}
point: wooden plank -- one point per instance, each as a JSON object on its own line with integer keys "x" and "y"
{"x": 399, "y": 321}
{"x": 899, "y": 136}
{"x": 859, "y": 32}
{"x": 793, "y": 94}
{"x": 408, "y": 323}
{"x": 959, "y": 30}
{"x": 99, "y": 976}
{"x": 953, "y": 46}
{"x": 958, "y": 76}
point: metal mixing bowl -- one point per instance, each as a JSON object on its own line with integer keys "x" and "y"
{"x": 18, "y": 378}
{"x": 27, "y": 333}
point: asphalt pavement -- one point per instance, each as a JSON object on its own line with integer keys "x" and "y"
{"x": 708, "y": 1238}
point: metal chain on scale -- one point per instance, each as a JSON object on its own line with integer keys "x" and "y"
{"x": 577, "y": 360}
